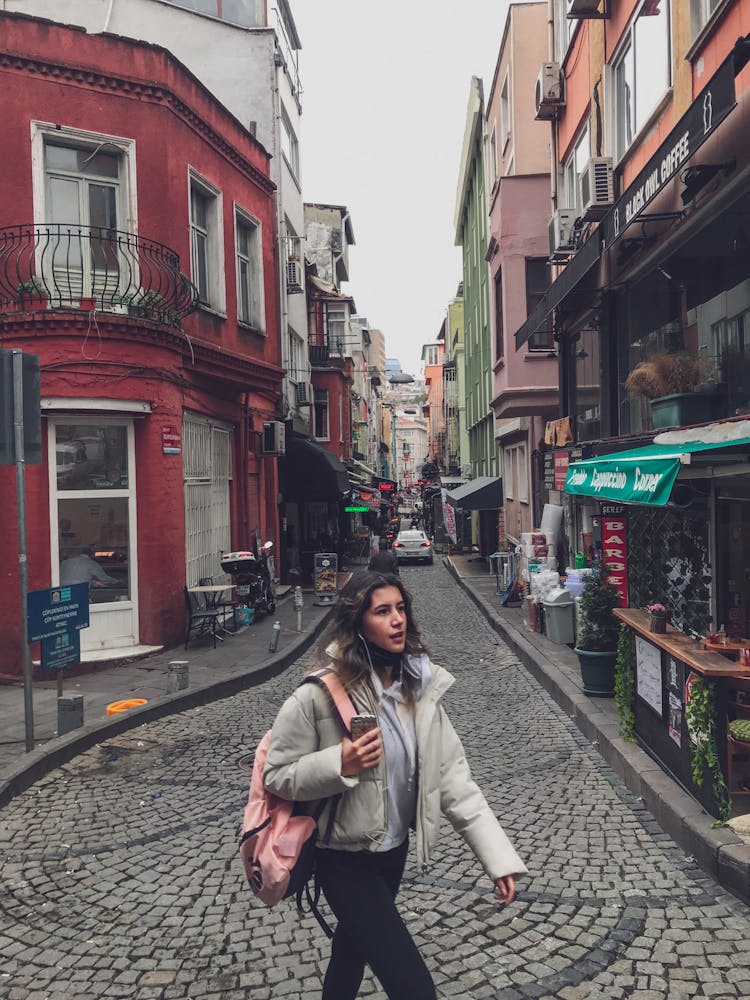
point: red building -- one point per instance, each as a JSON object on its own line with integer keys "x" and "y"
{"x": 137, "y": 261}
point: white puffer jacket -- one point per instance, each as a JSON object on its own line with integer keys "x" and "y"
{"x": 304, "y": 764}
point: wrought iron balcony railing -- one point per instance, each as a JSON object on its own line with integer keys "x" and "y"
{"x": 85, "y": 267}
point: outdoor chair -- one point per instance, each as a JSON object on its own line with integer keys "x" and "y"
{"x": 205, "y": 621}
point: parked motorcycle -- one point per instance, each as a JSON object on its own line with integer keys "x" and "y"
{"x": 253, "y": 578}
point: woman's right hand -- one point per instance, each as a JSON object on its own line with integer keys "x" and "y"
{"x": 362, "y": 754}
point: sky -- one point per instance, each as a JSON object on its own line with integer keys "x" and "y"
{"x": 385, "y": 92}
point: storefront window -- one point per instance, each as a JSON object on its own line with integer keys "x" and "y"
{"x": 588, "y": 385}
{"x": 733, "y": 549}
{"x": 684, "y": 330}
{"x": 91, "y": 458}
{"x": 93, "y": 546}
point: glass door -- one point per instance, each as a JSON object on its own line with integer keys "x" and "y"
{"x": 92, "y": 506}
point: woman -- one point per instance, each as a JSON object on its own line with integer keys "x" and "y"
{"x": 403, "y": 773}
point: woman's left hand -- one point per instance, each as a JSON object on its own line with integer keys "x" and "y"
{"x": 505, "y": 889}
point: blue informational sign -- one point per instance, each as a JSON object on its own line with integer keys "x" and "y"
{"x": 61, "y": 650}
{"x": 49, "y": 612}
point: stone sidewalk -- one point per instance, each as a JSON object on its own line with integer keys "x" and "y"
{"x": 239, "y": 661}
{"x": 718, "y": 850}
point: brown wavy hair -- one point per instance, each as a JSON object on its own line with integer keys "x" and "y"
{"x": 350, "y": 660}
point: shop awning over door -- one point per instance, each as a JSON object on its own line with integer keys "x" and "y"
{"x": 483, "y": 493}
{"x": 310, "y": 472}
{"x": 646, "y": 475}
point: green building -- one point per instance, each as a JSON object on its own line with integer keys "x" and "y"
{"x": 471, "y": 235}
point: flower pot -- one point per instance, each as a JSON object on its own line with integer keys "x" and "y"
{"x": 658, "y": 622}
{"x": 681, "y": 409}
{"x": 597, "y": 672}
{"x": 31, "y": 301}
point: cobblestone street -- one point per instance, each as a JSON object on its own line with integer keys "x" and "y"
{"x": 119, "y": 874}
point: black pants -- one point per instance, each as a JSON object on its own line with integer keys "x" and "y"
{"x": 361, "y": 890}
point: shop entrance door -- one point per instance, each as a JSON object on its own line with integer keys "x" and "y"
{"x": 93, "y": 523}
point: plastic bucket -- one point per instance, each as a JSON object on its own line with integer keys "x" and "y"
{"x": 122, "y": 706}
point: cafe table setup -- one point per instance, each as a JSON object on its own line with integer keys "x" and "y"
{"x": 212, "y": 593}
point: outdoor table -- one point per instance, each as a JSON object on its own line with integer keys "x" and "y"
{"x": 667, "y": 666}
{"x": 212, "y": 592}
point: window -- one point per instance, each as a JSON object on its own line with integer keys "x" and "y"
{"x": 523, "y": 475}
{"x": 505, "y": 124}
{"x": 336, "y": 329}
{"x": 537, "y": 282}
{"x": 321, "y": 429}
{"x": 493, "y": 157}
{"x": 431, "y": 356}
{"x": 573, "y": 171}
{"x": 91, "y": 492}
{"x": 206, "y": 246}
{"x": 83, "y": 188}
{"x": 509, "y": 491}
{"x": 642, "y": 71}
{"x": 564, "y": 28}
{"x": 700, "y": 13}
{"x": 297, "y": 367}
{"x": 236, "y": 11}
{"x": 289, "y": 144}
{"x": 499, "y": 323}
{"x": 249, "y": 272}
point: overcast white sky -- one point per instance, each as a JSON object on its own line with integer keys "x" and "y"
{"x": 386, "y": 86}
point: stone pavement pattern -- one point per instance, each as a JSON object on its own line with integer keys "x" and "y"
{"x": 119, "y": 874}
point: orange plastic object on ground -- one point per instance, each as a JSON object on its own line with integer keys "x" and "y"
{"x": 122, "y": 706}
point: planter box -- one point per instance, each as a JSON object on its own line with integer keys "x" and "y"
{"x": 680, "y": 409}
{"x": 597, "y": 672}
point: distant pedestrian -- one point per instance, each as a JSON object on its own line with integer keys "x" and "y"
{"x": 384, "y": 562}
{"x": 375, "y": 647}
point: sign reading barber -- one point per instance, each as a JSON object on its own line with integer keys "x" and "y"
{"x": 706, "y": 112}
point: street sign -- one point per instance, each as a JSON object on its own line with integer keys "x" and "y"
{"x": 61, "y": 650}
{"x": 32, "y": 419}
{"x": 60, "y": 609}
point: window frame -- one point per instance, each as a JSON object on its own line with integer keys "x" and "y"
{"x": 627, "y": 46}
{"x": 215, "y": 268}
{"x": 257, "y": 321}
{"x": 532, "y": 300}
{"x": 498, "y": 299}
{"x": 506, "y": 123}
{"x": 571, "y": 163}
{"x": 321, "y": 397}
{"x": 286, "y": 130}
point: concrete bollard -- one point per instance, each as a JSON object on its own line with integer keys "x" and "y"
{"x": 69, "y": 713}
{"x": 178, "y": 678}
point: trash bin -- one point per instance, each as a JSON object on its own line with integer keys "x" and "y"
{"x": 560, "y": 616}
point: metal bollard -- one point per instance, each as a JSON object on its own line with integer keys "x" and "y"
{"x": 298, "y": 605}
{"x": 177, "y": 678}
{"x": 69, "y": 713}
{"x": 273, "y": 644}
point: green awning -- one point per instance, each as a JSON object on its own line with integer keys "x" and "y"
{"x": 646, "y": 475}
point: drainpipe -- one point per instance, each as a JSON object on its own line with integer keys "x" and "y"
{"x": 280, "y": 227}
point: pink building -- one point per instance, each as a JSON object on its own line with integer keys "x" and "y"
{"x": 432, "y": 358}
{"x": 525, "y": 383}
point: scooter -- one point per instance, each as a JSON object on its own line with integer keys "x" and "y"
{"x": 253, "y": 577}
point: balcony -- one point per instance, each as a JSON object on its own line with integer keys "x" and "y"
{"x": 324, "y": 354}
{"x": 80, "y": 267}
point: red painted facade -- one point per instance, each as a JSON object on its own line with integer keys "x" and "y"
{"x": 214, "y": 367}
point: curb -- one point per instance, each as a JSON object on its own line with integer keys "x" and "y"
{"x": 41, "y": 761}
{"x": 718, "y": 850}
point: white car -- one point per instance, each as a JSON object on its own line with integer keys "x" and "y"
{"x": 413, "y": 544}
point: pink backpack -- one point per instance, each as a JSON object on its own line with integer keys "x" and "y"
{"x": 278, "y": 846}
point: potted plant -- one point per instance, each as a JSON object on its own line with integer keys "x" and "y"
{"x": 33, "y": 293}
{"x": 598, "y": 629}
{"x": 671, "y": 380}
{"x": 659, "y": 616}
{"x": 142, "y": 303}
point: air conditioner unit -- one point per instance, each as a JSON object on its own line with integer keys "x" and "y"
{"x": 294, "y": 281}
{"x": 549, "y": 95}
{"x": 304, "y": 394}
{"x": 597, "y": 187}
{"x": 562, "y": 232}
{"x": 581, "y": 9}
{"x": 273, "y": 439}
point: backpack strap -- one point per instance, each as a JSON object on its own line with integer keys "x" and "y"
{"x": 341, "y": 699}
